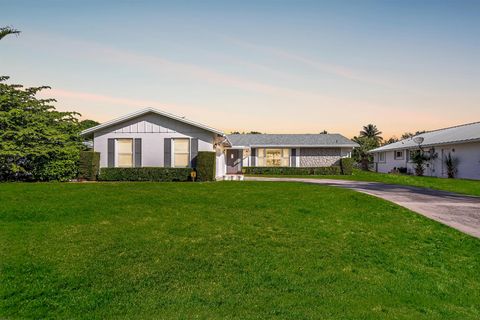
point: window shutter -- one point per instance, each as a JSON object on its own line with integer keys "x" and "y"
{"x": 138, "y": 152}
{"x": 253, "y": 153}
{"x": 167, "y": 152}
{"x": 111, "y": 153}
{"x": 293, "y": 158}
{"x": 193, "y": 152}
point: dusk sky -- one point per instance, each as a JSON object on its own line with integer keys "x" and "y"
{"x": 270, "y": 66}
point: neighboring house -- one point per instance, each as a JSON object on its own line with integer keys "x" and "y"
{"x": 153, "y": 138}
{"x": 461, "y": 142}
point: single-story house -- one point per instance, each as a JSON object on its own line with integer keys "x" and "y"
{"x": 461, "y": 142}
{"x": 153, "y": 138}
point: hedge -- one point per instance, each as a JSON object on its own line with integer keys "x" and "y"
{"x": 205, "y": 166}
{"x": 346, "y": 164}
{"x": 89, "y": 165}
{"x": 333, "y": 170}
{"x": 145, "y": 174}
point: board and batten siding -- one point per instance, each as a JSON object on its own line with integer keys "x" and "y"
{"x": 152, "y": 129}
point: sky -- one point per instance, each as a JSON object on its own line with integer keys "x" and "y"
{"x": 269, "y": 66}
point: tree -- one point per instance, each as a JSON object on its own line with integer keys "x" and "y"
{"x": 324, "y": 132}
{"x": 419, "y": 158}
{"x": 87, "y": 124}
{"x": 360, "y": 154}
{"x": 371, "y": 131}
{"x": 407, "y": 135}
{"x": 391, "y": 140}
{"x": 243, "y": 132}
{"x": 37, "y": 142}
{"x": 5, "y": 31}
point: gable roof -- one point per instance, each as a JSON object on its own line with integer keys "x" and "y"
{"x": 290, "y": 140}
{"x": 145, "y": 111}
{"x": 469, "y": 132}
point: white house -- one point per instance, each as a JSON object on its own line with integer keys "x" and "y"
{"x": 461, "y": 142}
{"x": 153, "y": 138}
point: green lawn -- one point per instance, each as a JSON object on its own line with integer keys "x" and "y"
{"x": 238, "y": 250}
{"x": 471, "y": 187}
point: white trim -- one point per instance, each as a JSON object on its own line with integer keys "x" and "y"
{"x": 145, "y": 111}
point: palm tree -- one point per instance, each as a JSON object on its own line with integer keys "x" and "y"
{"x": 5, "y": 31}
{"x": 371, "y": 131}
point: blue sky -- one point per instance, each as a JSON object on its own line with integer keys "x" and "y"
{"x": 271, "y": 66}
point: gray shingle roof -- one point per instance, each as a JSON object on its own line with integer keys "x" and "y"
{"x": 469, "y": 132}
{"x": 290, "y": 140}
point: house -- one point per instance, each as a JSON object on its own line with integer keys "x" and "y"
{"x": 461, "y": 142}
{"x": 153, "y": 138}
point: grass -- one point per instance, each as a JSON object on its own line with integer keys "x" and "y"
{"x": 463, "y": 186}
{"x": 227, "y": 250}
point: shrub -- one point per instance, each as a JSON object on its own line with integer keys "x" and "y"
{"x": 205, "y": 166}
{"x": 89, "y": 165}
{"x": 333, "y": 170}
{"x": 145, "y": 174}
{"x": 452, "y": 165}
{"x": 346, "y": 164}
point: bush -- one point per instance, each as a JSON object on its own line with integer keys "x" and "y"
{"x": 333, "y": 170}
{"x": 37, "y": 142}
{"x": 346, "y": 164}
{"x": 205, "y": 166}
{"x": 145, "y": 174}
{"x": 89, "y": 165}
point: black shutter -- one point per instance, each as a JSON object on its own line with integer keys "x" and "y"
{"x": 293, "y": 158}
{"x": 111, "y": 153}
{"x": 253, "y": 153}
{"x": 193, "y": 152}
{"x": 167, "y": 152}
{"x": 138, "y": 152}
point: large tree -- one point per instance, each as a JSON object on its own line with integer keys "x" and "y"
{"x": 5, "y": 31}
{"x": 361, "y": 154}
{"x": 37, "y": 142}
{"x": 371, "y": 131}
{"x": 87, "y": 124}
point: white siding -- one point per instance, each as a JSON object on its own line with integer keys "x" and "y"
{"x": 152, "y": 129}
{"x": 468, "y": 155}
{"x": 220, "y": 165}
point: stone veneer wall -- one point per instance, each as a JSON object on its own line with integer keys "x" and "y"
{"x": 319, "y": 157}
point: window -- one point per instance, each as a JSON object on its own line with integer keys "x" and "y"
{"x": 381, "y": 157}
{"x": 181, "y": 153}
{"x": 273, "y": 158}
{"x": 399, "y": 155}
{"x": 125, "y": 153}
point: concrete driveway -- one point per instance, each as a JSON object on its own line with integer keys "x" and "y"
{"x": 457, "y": 211}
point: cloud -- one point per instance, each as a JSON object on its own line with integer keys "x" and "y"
{"x": 108, "y": 54}
{"x": 334, "y": 69}
{"x": 99, "y": 98}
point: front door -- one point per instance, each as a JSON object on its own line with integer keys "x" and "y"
{"x": 234, "y": 161}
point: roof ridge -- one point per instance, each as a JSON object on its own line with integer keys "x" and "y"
{"x": 283, "y": 134}
{"x": 456, "y": 126}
